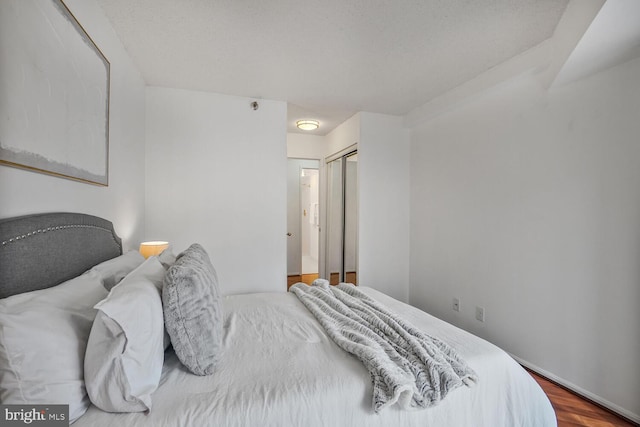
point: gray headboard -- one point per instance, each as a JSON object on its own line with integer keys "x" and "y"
{"x": 43, "y": 250}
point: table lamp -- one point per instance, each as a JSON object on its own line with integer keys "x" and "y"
{"x": 148, "y": 249}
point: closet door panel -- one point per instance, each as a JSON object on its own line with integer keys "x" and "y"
{"x": 342, "y": 219}
{"x": 335, "y": 213}
{"x": 351, "y": 218}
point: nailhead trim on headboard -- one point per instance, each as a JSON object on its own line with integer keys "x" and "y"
{"x": 60, "y": 227}
{"x": 39, "y": 251}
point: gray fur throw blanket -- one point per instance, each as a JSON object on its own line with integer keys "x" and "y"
{"x": 406, "y": 365}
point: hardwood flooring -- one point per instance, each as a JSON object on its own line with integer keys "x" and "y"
{"x": 572, "y": 410}
{"x": 292, "y": 280}
{"x": 309, "y": 278}
{"x": 305, "y": 278}
{"x": 350, "y": 277}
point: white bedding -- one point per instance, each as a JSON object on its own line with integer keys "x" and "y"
{"x": 279, "y": 368}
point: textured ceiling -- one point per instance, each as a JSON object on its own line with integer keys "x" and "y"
{"x": 330, "y": 58}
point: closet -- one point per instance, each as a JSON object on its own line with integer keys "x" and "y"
{"x": 342, "y": 217}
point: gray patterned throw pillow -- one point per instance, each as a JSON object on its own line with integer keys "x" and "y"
{"x": 192, "y": 310}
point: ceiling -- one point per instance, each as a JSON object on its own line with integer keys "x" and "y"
{"x": 612, "y": 38}
{"x": 329, "y": 59}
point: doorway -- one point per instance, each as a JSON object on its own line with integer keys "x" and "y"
{"x": 303, "y": 220}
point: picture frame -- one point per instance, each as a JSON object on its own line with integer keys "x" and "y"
{"x": 54, "y": 93}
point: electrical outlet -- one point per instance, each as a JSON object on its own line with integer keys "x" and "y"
{"x": 480, "y": 314}
{"x": 456, "y": 304}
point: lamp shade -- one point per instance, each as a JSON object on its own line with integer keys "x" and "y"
{"x": 148, "y": 249}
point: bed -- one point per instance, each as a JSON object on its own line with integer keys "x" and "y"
{"x": 278, "y": 366}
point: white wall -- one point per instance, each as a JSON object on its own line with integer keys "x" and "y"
{"x": 122, "y": 202}
{"x": 527, "y": 203}
{"x": 216, "y": 174}
{"x": 343, "y": 136}
{"x": 302, "y": 146}
{"x": 383, "y": 168}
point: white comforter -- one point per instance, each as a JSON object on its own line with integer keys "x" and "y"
{"x": 280, "y": 368}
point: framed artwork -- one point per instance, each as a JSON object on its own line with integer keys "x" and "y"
{"x": 54, "y": 93}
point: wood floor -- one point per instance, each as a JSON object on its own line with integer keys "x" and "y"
{"x": 350, "y": 277}
{"x": 309, "y": 278}
{"x": 572, "y": 410}
{"x": 304, "y": 278}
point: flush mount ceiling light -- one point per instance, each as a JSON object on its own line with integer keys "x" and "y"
{"x": 308, "y": 124}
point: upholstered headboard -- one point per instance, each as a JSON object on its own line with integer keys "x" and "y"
{"x": 43, "y": 250}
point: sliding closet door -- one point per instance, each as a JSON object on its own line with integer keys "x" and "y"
{"x": 342, "y": 219}
{"x": 334, "y": 221}
{"x": 351, "y": 219}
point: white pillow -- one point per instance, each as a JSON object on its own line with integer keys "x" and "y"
{"x": 43, "y": 337}
{"x": 167, "y": 258}
{"x": 125, "y": 351}
{"x": 114, "y": 270}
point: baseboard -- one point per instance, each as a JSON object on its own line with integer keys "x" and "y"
{"x": 635, "y": 418}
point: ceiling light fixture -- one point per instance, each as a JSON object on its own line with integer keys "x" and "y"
{"x": 308, "y": 124}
